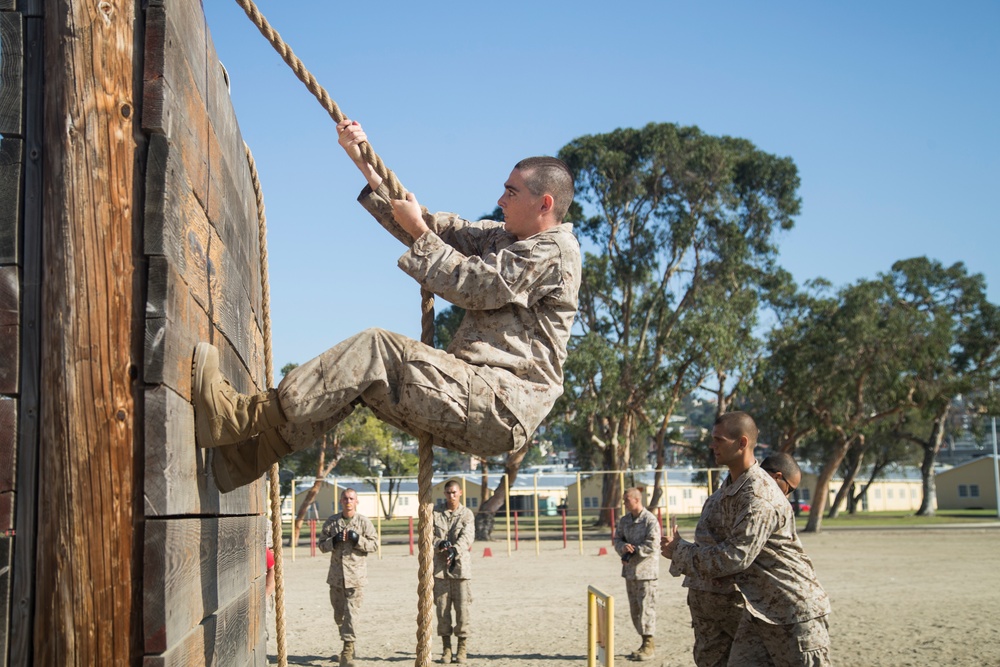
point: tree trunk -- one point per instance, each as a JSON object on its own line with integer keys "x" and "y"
{"x": 486, "y": 516}
{"x": 855, "y": 459}
{"x": 931, "y": 447}
{"x": 823, "y": 485}
{"x": 322, "y": 470}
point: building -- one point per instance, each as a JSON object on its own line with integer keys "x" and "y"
{"x": 971, "y": 485}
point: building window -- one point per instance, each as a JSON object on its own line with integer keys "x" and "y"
{"x": 804, "y": 493}
{"x": 889, "y": 494}
{"x": 878, "y": 494}
{"x": 687, "y": 494}
{"x": 593, "y": 502}
{"x": 913, "y": 493}
{"x": 963, "y": 491}
{"x": 673, "y": 500}
{"x": 974, "y": 490}
{"x": 473, "y": 502}
{"x": 586, "y": 501}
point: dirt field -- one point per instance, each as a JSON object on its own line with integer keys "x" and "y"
{"x": 917, "y": 598}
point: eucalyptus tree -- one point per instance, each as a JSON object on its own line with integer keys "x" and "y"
{"x": 674, "y": 222}
{"x": 960, "y": 337}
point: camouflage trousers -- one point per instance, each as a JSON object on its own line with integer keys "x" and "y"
{"x": 346, "y": 605}
{"x": 715, "y": 618}
{"x": 642, "y": 604}
{"x": 449, "y": 595}
{"x": 414, "y": 387}
{"x": 805, "y": 644}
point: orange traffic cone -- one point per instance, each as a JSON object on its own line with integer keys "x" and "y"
{"x": 487, "y": 553}
{"x": 602, "y": 552}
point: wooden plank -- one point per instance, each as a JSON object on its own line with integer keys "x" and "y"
{"x": 221, "y": 639}
{"x": 11, "y": 72}
{"x": 5, "y": 562}
{"x": 192, "y": 569}
{"x": 178, "y": 475}
{"x": 6, "y": 5}
{"x": 10, "y": 330}
{"x": 176, "y": 228}
{"x": 8, "y": 446}
{"x": 22, "y": 631}
{"x": 215, "y": 163}
{"x": 11, "y": 157}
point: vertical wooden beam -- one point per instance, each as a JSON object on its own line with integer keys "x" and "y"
{"x": 84, "y": 588}
{"x": 26, "y": 512}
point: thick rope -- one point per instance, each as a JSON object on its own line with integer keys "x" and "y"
{"x": 275, "y": 483}
{"x": 425, "y": 583}
{"x": 305, "y": 76}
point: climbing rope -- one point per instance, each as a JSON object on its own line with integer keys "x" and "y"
{"x": 274, "y": 482}
{"x": 425, "y": 514}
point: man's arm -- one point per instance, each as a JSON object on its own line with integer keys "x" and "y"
{"x": 407, "y": 213}
{"x": 367, "y": 537}
{"x": 328, "y": 536}
{"x": 467, "y": 531}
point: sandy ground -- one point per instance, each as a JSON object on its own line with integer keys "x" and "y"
{"x": 920, "y": 598}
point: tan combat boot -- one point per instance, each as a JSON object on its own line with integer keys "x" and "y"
{"x": 462, "y": 654}
{"x": 446, "y": 652}
{"x": 240, "y": 464}
{"x": 222, "y": 415}
{"x": 646, "y": 651}
{"x": 347, "y": 655}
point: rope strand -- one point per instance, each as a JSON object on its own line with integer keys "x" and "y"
{"x": 274, "y": 486}
{"x": 425, "y": 584}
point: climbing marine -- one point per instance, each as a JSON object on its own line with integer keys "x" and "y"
{"x": 518, "y": 282}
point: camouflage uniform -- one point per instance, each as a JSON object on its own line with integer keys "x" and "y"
{"x": 643, "y": 569}
{"x": 716, "y": 605}
{"x": 348, "y": 573}
{"x": 451, "y": 586}
{"x": 504, "y": 367}
{"x": 759, "y": 547}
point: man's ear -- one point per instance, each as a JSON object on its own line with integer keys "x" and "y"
{"x": 547, "y": 203}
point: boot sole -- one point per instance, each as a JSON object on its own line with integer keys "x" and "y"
{"x": 203, "y": 353}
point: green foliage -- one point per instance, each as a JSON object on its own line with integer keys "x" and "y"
{"x": 682, "y": 226}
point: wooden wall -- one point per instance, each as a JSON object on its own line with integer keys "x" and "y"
{"x": 203, "y": 585}
{"x": 128, "y": 232}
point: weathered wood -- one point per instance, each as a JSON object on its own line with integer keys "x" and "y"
{"x": 10, "y": 324}
{"x": 8, "y": 448}
{"x": 194, "y": 567}
{"x": 176, "y": 227}
{"x": 11, "y": 156}
{"x": 22, "y": 632}
{"x": 185, "y": 83}
{"x": 5, "y": 562}
{"x": 88, "y": 412}
{"x": 11, "y": 72}
{"x": 179, "y": 479}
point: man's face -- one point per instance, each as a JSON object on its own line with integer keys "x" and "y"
{"x": 725, "y": 448}
{"x": 633, "y": 503}
{"x": 453, "y": 497}
{"x": 520, "y": 207}
{"x": 348, "y": 503}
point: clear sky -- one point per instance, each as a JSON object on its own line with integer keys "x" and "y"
{"x": 889, "y": 109}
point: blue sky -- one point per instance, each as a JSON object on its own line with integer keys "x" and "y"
{"x": 890, "y": 110}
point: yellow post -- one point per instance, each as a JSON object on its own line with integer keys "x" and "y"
{"x": 506, "y": 497}
{"x": 710, "y": 489}
{"x": 293, "y": 540}
{"x": 465, "y": 498}
{"x": 594, "y": 627}
{"x": 621, "y": 491}
{"x": 336, "y": 497}
{"x": 579, "y": 509}
{"x": 538, "y": 538}
{"x": 378, "y": 514}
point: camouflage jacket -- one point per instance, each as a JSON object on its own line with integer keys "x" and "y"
{"x": 711, "y": 529}
{"x": 642, "y": 532}
{"x": 759, "y": 547}
{"x": 459, "y": 528}
{"x": 348, "y": 561}
{"x": 520, "y": 299}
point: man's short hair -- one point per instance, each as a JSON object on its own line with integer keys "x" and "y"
{"x": 347, "y": 490}
{"x": 633, "y": 491}
{"x": 549, "y": 175}
{"x": 737, "y": 424}
{"x": 783, "y": 463}
{"x": 451, "y": 483}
